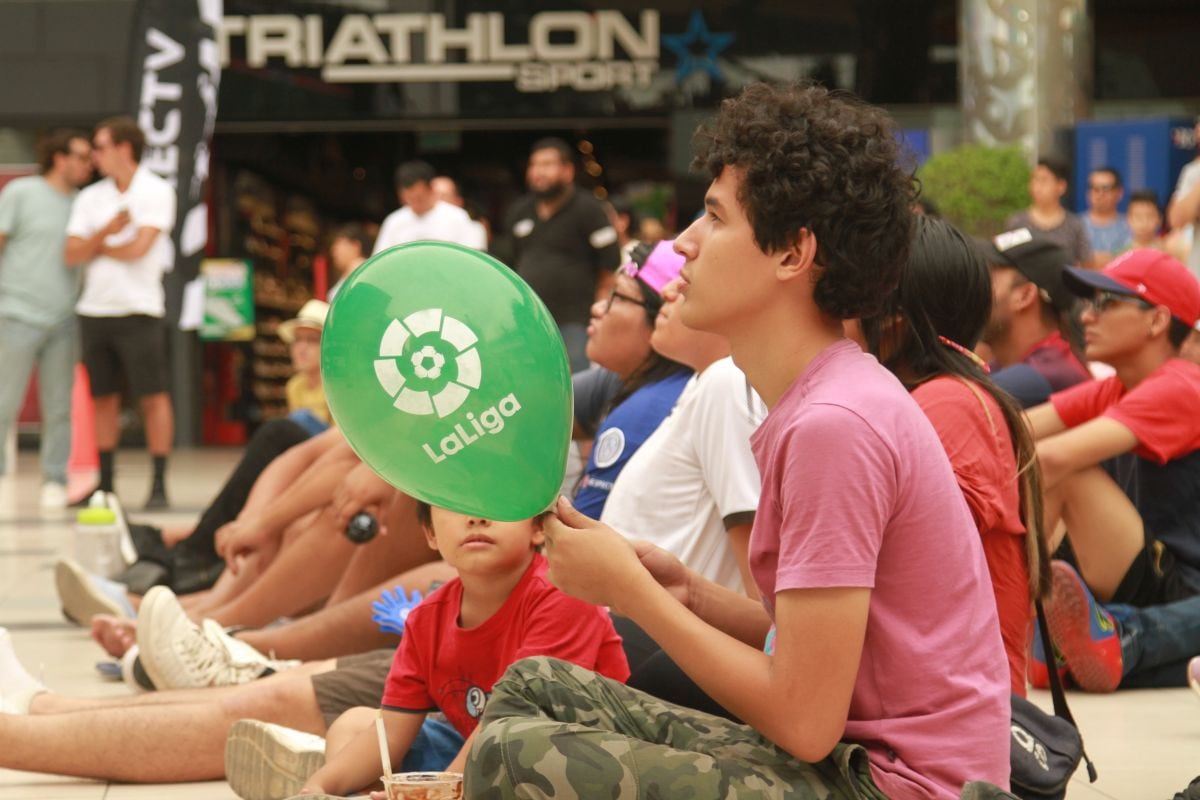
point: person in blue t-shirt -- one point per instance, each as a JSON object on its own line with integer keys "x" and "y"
{"x": 619, "y": 340}
{"x": 1107, "y": 230}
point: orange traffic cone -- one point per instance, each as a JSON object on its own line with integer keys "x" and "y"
{"x": 83, "y": 467}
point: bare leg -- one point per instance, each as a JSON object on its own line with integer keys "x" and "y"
{"x": 286, "y": 470}
{"x": 302, "y": 575}
{"x": 1105, "y": 529}
{"x": 229, "y": 586}
{"x": 350, "y": 724}
{"x": 384, "y": 557}
{"x": 345, "y": 628}
{"x": 108, "y": 410}
{"x": 51, "y": 703}
{"x": 160, "y": 423}
{"x": 187, "y": 740}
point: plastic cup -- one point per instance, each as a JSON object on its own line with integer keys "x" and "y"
{"x": 424, "y": 786}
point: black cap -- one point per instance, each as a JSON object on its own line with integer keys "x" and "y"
{"x": 1040, "y": 260}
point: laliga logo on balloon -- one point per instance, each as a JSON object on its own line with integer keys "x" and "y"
{"x": 429, "y": 364}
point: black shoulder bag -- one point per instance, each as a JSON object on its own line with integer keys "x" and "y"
{"x": 1046, "y": 749}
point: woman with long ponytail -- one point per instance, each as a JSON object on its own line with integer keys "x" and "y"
{"x": 925, "y": 336}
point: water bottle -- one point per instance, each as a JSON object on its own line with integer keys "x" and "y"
{"x": 97, "y": 539}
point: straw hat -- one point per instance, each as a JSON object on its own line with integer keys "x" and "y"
{"x": 312, "y": 315}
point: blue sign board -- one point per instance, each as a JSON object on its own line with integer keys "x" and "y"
{"x": 1149, "y": 154}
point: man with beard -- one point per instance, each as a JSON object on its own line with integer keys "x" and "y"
{"x": 561, "y": 241}
{"x": 1029, "y": 330}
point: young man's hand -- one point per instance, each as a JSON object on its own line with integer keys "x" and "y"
{"x": 590, "y": 560}
{"x": 665, "y": 568}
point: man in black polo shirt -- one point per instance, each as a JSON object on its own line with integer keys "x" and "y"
{"x": 561, "y": 242}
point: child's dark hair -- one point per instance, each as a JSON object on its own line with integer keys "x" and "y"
{"x": 1146, "y": 196}
{"x": 826, "y": 162}
{"x": 424, "y": 515}
{"x": 1058, "y": 168}
{"x": 946, "y": 292}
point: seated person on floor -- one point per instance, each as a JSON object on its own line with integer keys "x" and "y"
{"x": 462, "y": 638}
{"x": 925, "y": 336}
{"x": 305, "y": 393}
{"x": 1134, "y": 540}
{"x": 855, "y": 692}
{"x": 1029, "y": 334}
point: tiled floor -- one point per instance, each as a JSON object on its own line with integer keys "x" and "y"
{"x": 1145, "y": 744}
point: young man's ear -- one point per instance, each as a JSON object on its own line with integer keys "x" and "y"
{"x": 1160, "y": 323}
{"x": 800, "y": 257}
{"x": 1024, "y": 296}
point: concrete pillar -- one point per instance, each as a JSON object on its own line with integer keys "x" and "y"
{"x": 1025, "y": 70}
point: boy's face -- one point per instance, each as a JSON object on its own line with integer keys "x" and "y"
{"x": 481, "y": 546}
{"x": 727, "y": 277}
{"x": 1144, "y": 220}
{"x": 1045, "y": 187}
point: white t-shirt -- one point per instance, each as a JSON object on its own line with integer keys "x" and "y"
{"x": 442, "y": 223}
{"x": 1188, "y": 178}
{"x": 693, "y": 473}
{"x": 113, "y": 288}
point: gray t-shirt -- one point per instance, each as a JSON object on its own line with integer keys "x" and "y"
{"x": 36, "y": 286}
{"x": 1187, "y": 181}
{"x": 1070, "y": 234}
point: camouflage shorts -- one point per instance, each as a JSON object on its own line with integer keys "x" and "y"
{"x": 552, "y": 729}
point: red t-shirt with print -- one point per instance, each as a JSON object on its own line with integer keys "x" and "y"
{"x": 442, "y": 666}
{"x": 1161, "y": 410}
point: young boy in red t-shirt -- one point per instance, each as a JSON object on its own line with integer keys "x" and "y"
{"x": 460, "y": 640}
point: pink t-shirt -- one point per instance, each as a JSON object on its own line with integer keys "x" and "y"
{"x": 858, "y": 492}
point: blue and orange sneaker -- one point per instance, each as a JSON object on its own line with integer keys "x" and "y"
{"x": 1084, "y": 631}
{"x": 1037, "y": 668}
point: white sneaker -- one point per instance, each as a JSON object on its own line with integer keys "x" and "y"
{"x": 264, "y": 761}
{"x": 176, "y": 653}
{"x": 54, "y": 496}
{"x": 83, "y": 595}
{"x": 17, "y": 686}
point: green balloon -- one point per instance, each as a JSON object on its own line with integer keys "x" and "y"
{"x": 448, "y": 377}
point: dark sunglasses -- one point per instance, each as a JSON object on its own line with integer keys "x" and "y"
{"x": 1102, "y": 301}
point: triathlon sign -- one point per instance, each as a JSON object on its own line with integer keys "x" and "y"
{"x": 584, "y": 51}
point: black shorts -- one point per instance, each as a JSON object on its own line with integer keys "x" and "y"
{"x": 133, "y": 348}
{"x": 1153, "y": 578}
{"x": 356, "y": 681}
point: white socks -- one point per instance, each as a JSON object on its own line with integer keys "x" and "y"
{"x": 17, "y": 686}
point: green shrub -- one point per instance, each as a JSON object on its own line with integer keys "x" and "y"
{"x": 977, "y": 187}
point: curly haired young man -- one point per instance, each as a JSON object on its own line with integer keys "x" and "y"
{"x": 848, "y": 685}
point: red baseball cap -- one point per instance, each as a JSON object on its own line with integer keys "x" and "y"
{"x": 1149, "y": 274}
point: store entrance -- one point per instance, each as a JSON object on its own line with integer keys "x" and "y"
{"x": 276, "y": 198}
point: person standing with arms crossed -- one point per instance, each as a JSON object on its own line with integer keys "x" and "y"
{"x": 37, "y": 298}
{"x": 120, "y": 229}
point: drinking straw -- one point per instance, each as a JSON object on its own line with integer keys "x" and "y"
{"x": 384, "y": 755}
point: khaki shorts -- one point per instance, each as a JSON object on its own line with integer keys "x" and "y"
{"x": 356, "y": 681}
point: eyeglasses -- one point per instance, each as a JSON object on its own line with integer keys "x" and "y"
{"x": 1103, "y": 301}
{"x": 614, "y": 295}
